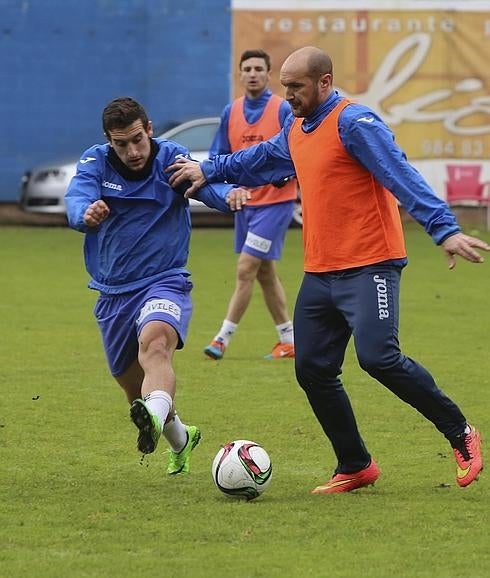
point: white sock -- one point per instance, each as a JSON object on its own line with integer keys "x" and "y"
{"x": 226, "y": 332}
{"x": 285, "y": 332}
{"x": 159, "y": 403}
{"x": 175, "y": 433}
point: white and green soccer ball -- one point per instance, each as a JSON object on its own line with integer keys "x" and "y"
{"x": 242, "y": 469}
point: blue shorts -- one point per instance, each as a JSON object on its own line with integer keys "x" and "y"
{"x": 260, "y": 231}
{"x": 122, "y": 317}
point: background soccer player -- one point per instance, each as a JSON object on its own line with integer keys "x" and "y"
{"x": 261, "y": 226}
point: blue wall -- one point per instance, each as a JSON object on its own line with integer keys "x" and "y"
{"x": 61, "y": 61}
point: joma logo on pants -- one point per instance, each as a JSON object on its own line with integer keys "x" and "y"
{"x": 382, "y": 293}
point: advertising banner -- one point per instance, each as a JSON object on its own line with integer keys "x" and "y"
{"x": 423, "y": 66}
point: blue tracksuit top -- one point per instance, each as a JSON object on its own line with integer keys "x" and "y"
{"x": 368, "y": 139}
{"x": 253, "y": 108}
{"x": 147, "y": 233}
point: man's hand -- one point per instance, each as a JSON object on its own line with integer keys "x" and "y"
{"x": 186, "y": 171}
{"x": 237, "y": 198}
{"x": 462, "y": 245}
{"x": 96, "y": 213}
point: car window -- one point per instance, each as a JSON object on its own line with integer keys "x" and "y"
{"x": 196, "y": 138}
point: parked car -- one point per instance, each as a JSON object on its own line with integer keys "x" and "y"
{"x": 43, "y": 188}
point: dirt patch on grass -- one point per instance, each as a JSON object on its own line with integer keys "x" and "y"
{"x": 11, "y": 214}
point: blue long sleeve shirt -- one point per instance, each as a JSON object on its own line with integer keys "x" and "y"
{"x": 367, "y": 139}
{"x": 146, "y": 236}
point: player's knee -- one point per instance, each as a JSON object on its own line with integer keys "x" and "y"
{"x": 157, "y": 348}
{"x": 375, "y": 363}
{"x": 313, "y": 375}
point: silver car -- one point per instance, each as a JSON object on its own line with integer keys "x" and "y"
{"x": 43, "y": 188}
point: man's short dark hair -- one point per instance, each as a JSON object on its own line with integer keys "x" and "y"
{"x": 121, "y": 112}
{"x": 255, "y": 54}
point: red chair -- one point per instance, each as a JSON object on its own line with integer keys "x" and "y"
{"x": 463, "y": 188}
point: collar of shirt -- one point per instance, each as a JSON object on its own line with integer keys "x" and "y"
{"x": 254, "y": 107}
{"x": 312, "y": 121}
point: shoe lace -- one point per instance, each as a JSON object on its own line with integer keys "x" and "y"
{"x": 461, "y": 445}
{"x": 173, "y": 459}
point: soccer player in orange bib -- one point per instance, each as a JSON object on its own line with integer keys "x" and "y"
{"x": 351, "y": 174}
{"x": 261, "y": 226}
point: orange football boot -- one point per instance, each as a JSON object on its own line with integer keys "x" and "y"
{"x": 215, "y": 350}
{"x": 467, "y": 451}
{"x": 281, "y": 351}
{"x": 348, "y": 482}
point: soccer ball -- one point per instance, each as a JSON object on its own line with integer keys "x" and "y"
{"x": 242, "y": 469}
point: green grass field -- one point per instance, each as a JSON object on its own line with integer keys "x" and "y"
{"x": 77, "y": 501}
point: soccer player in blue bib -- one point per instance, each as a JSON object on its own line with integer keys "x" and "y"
{"x": 137, "y": 232}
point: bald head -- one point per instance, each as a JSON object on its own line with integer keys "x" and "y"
{"x": 308, "y": 61}
{"x": 307, "y": 77}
